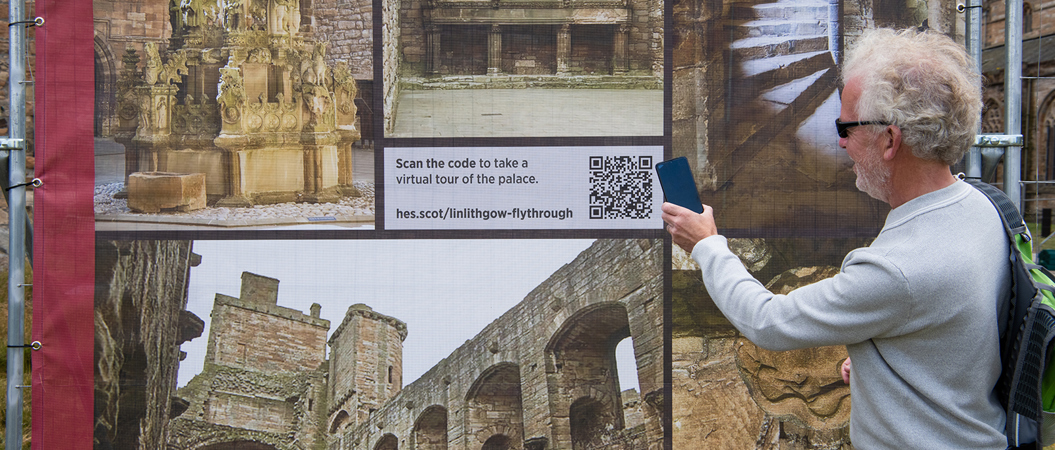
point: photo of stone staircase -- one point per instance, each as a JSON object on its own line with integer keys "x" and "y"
{"x": 783, "y": 72}
{"x": 774, "y": 162}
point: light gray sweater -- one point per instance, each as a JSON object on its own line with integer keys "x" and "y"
{"x": 916, "y": 311}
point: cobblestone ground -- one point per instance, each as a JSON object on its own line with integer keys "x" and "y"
{"x": 106, "y": 204}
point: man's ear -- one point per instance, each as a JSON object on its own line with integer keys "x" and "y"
{"x": 891, "y": 142}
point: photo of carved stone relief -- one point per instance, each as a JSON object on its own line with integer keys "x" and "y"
{"x": 467, "y": 344}
{"x": 755, "y": 96}
{"x": 221, "y": 114}
{"x": 729, "y": 393}
{"x": 505, "y": 68}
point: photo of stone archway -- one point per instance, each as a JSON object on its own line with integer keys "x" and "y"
{"x": 296, "y": 359}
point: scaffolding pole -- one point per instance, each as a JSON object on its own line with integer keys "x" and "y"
{"x": 16, "y": 202}
{"x": 973, "y": 38}
{"x": 988, "y": 149}
{"x": 1013, "y": 100}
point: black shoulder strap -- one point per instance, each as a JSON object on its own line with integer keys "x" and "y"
{"x": 1013, "y": 222}
{"x": 1012, "y": 313}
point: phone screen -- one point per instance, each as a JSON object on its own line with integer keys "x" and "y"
{"x": 678, "y": 185}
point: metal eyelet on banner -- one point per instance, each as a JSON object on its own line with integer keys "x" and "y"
{"x": 36, "y": 182}
{"x": 35, "y": 345}
{"x": 37, "y": 22}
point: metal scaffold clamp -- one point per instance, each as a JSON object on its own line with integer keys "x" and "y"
{"x": 12, "y": 144}
{"x": 999, "y": 140}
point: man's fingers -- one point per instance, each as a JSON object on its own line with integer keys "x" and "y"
{"x": 672, "y": 209}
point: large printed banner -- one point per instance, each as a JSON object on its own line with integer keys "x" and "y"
{"x": 352, "y": 224}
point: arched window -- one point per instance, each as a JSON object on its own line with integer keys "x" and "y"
{"x": 626, "y": 364}
{"x": 992, "y": 117}
{"x": 387, "y": 442}
{"x": 498, "y": 442}
{"x": 430, "y": 430}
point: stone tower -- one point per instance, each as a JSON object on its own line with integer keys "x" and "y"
{"x": 263, "y": 378}
{"x": 366, "y": 365}
{"x": 236, "y": 340}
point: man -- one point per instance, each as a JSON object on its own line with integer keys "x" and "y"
{"x": 917, "y": 308}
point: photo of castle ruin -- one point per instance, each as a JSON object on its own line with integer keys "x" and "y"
{"x": 756, "y": 90}
{"x": 206, "y": 109}
{"x": 511, "y": 68}
{"x": 542, "y": 374}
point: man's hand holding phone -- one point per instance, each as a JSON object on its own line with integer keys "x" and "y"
{"x": 688, "y": 228}
{"x": 688, "y": 220}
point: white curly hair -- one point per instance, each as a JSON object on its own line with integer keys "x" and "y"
{"x": 922, "y": 82}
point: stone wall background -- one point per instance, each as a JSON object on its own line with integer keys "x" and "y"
{"x": 713, "y": 400}
{"x": 348, "y": 26}
{"x": 5, "y": 65}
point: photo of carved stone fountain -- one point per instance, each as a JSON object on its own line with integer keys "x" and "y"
{"x": 241, "y": 97}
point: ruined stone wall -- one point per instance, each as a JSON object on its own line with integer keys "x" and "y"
{"x": 532, "y": 50}
{"x": 348, "y": 27}
{"x": 230, "y": 405}
{"x": 511, "y": 365}
{"x": 591, "y": 50}
{"x": 409, "y": 17}
{"x": 131, "y": 22}
{"x": 718, "y": 398}
{"x": 646, "y": 36}
{"x": 253, "y": 412}
{"x": 140, "y": 322}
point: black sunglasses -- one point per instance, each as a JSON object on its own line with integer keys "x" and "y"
{"x": 844, "y": 127}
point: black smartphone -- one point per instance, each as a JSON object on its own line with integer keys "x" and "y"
{"x": 678, "y": 185}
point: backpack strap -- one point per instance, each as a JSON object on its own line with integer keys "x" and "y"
{"x": 1013, "y": 222}
{"x": 1012, "y": 313}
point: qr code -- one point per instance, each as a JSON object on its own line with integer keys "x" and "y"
{"x": 621, "y": 187}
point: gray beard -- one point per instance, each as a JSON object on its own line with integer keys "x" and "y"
{"x": 872, "y": 177}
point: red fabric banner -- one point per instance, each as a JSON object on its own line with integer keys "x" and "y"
{"x": 64, "y": 228}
